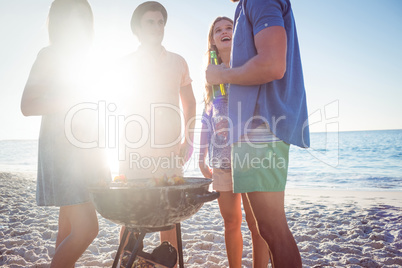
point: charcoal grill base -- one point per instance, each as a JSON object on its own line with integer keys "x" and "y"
{"x": 151, "y": 209}
{"x": 142, "y": 232}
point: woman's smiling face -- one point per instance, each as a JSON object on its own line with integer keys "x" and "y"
{"x": 222, "y": 34}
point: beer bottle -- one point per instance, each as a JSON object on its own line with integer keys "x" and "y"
{"x": 214, "y": 61}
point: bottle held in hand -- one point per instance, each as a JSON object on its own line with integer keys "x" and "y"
{"x": 215, "y": 89}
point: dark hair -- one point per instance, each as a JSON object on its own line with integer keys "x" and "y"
{"x": 211, "y": 47}
{"x": 60, "y": 17}
{"x": 142, "y": 9}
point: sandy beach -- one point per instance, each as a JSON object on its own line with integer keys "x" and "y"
{"x": 332, "y": 229}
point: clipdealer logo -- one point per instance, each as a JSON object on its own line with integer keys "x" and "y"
{"x": 110, "y": 128}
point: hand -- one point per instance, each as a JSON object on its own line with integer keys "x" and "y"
{"x": 205, "y": 170}
{"x": 186, "y": 150}
{"x": 222, "y": 128}
{"x": 213, "y": 74}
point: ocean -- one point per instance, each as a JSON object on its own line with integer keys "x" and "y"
{"x": 358, "y": 160}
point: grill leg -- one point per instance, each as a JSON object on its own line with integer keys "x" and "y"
{"x": 179, "y": 245}
{"x": 123, "y": 239}
{"x": 136, "y": 249}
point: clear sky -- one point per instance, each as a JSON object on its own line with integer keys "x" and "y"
{"x": 351, "y": 52}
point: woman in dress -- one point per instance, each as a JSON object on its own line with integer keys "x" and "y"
{"x": 65, "y": 167}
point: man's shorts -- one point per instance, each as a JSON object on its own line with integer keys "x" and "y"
{"x": 259, "y": 167}
{"x": 222, "y": 180}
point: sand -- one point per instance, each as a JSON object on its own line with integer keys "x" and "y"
{"x": 332, "y": 229}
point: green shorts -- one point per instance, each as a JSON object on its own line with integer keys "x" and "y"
{"x": 259, "y": 167}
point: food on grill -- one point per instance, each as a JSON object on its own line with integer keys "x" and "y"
{"x": 121, "y": 180}
{"x": 167, "y": 181}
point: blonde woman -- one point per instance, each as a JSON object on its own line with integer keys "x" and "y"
{"x": 215, "y": 141}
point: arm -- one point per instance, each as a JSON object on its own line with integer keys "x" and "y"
{"x": 205, "y": 170}
{"x": 34, "y": 102}
{"x": 269, "y": 64}
{"x": 188, "y": 102}
{"x": 36, "y": 99}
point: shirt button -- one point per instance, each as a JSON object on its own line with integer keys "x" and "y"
{"x": 266, "y": 24}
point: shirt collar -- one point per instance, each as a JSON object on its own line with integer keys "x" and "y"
{"x": 143, "y": 52}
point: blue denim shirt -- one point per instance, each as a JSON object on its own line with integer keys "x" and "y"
{"x": 282, "y": 103}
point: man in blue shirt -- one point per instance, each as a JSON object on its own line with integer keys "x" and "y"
{"x": 267, "y": 113}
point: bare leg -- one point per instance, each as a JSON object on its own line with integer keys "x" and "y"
{"x": 64, "y": 226}
{"x": 269, "y": 211}
{"x": 84, "y": 229}
{"x": 122, "y": 229}
{"x": 171, "y": 237}
{"x": 230, "y": 207}
{"x": 121, "y": 233}
{"x": 260, "y": 247}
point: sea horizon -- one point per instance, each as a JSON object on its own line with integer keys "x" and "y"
{"x": 347, "y": 160}
{"x": 311, "y": 132}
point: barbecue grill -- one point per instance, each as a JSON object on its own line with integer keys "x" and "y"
{"x": 146, "y": 209}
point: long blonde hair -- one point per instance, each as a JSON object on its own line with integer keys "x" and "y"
{"x": 211, "y": 47}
